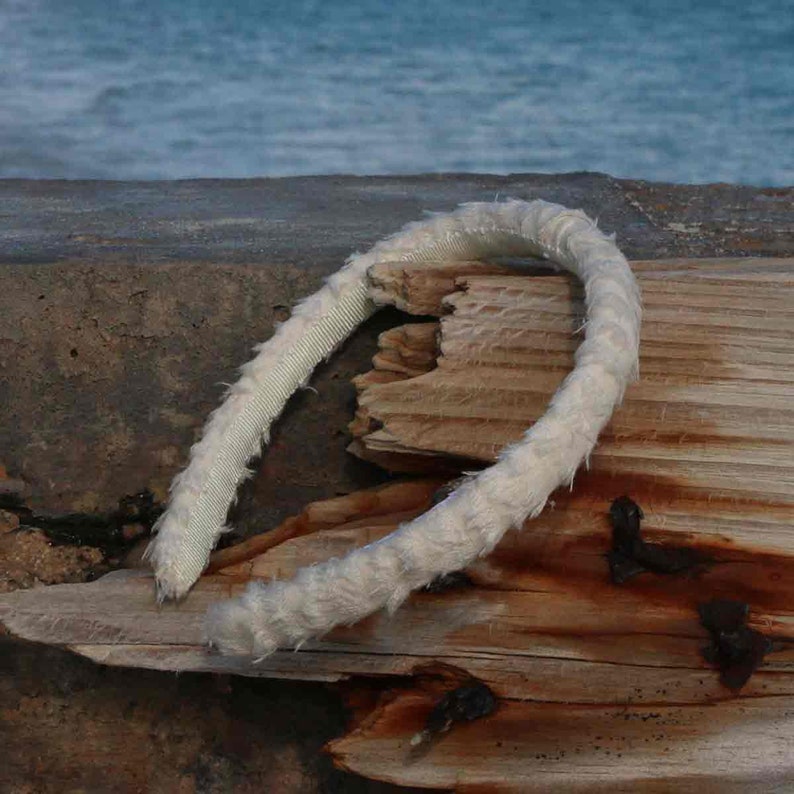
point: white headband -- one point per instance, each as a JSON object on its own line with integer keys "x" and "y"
{"x": 471, "y": 520}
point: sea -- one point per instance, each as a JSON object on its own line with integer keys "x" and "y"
{"x": 669, "y": 90}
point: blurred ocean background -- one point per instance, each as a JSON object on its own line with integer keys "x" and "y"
{"x": 142, "y": 89}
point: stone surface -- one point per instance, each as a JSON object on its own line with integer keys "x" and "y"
{"x": 124, "y": 308}
{"x": 29, "y": 558}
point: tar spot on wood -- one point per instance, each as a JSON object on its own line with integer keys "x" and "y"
{"x": 631, "y": 555}
{"x": 735, "y": 649}
{"x": 465, "y": 703}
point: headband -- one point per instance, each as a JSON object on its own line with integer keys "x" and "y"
{"x": 473, "y": 518}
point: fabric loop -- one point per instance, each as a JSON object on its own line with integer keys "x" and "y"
{"x": 473, "y": 518}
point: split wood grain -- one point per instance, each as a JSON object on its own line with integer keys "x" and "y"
{"x": 713, "y": 411}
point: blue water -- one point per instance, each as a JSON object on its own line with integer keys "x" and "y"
{"x": 668, "y": 90}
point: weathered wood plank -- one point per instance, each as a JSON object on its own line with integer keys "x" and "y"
{"x": 541, "y": 603}
{"x": 536, "y": 747}
{"x": 712, "y": 412}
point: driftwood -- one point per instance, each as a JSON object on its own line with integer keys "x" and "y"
{"x": 596, "y": 683}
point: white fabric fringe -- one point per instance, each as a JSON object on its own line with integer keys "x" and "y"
{"x": 474, "y": 517}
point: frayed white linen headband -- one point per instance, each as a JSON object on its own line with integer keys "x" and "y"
{"x": 470, "y": 521}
